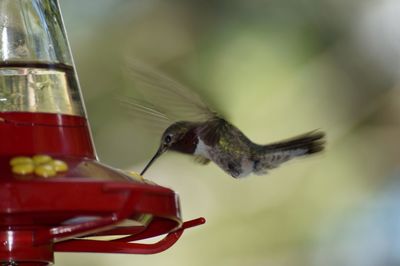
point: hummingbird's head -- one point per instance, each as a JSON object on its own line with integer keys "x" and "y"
{"x": 174, "y": 135}
{"x": 179, "y": 136}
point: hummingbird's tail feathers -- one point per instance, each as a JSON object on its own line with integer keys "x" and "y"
{"x": 272, "y": 155}
{"x": 309, "y": 143}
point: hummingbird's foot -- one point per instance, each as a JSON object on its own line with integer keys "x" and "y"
{"x": 234, "y": 170}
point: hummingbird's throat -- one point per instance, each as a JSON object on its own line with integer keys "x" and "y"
{"x": 186, "y": 144}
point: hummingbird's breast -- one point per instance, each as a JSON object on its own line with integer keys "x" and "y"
{"x": 228, "y": 147}
{"x": 202, "y": 149}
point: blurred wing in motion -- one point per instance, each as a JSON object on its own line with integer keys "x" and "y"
{"x": 167, "y": 100}
{"x": 145, "y": 114}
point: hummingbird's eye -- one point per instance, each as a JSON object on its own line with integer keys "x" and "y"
{"x": 167, "y": 139}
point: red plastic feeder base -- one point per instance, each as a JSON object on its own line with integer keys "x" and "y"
{"x": 39, "y": 217}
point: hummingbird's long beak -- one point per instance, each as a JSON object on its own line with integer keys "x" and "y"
{"x": 160, "y": 151}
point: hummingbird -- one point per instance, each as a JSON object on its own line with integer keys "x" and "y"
{"x": 193, "y": 128}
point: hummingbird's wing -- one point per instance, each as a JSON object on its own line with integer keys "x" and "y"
{"x": 164, "y": 97}
{"x": 212, "y": 131}
{"x": 145, "y": 114}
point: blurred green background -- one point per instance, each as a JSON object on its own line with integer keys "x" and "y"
{"x": 277, "y": 68}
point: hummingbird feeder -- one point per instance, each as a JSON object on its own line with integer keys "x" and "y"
{"x": 54, "y": 193}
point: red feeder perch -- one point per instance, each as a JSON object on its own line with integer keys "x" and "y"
{"x": 54, "y": 194}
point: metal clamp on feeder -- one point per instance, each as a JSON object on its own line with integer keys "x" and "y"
{"x": 54, "y": 194}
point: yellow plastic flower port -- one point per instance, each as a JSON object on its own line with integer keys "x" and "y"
{"x": 23, "y": 169}
{"x": 21, "y": 160}
{"x": 135, "y": 175}
{"x": 41, "y": 159}
{"x": 45, "y": 170}
{"x": 59, "y": 166}
{"x": 41, "y": 165}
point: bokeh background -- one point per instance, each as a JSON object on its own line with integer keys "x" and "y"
{"x": 277, "y": 68}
